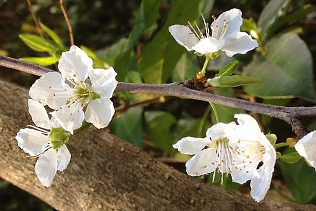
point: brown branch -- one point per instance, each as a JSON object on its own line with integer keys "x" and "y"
{"x": 34, "y": 18}
{"x": 107, "y": 173}
{"x": 289, "y": 114}
{"x": 68, "y": 23}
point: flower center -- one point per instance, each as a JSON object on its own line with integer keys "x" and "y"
{"x": 248, "y": 155}
{"x": 82, "y": 93}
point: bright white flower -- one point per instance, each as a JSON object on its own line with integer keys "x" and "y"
{"x": 225, "y": 35}
{"x": 254, "y": 156}
{"x": 79, "y": 92}
{"x": 306, "y": 148}
{"x": 48, "y": 146}
{"x": 210, "y": 153}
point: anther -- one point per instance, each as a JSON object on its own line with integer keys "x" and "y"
{"x": 49, "y": 87}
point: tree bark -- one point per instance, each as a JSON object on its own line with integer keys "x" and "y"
{"x": 107, "y": 173}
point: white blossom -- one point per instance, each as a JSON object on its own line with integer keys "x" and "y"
{"x": 224, "y": 35}
{"x": 306, "y": 148}
{"x": 38, "y": 143}
{"x": 210, "y": 153}
{"x": 79, "y": 92}
{"x": 254, "y": 156}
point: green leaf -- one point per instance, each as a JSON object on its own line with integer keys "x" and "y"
{"x": 300, "y": 179}
{"x": 129, "y": 126}
{"x": 286, "y": 71}
{"x": 39, "y": 44}
{"x": 272, "y": 138}
{"x": 231, "y": 81}
{"x": 158, "y": 126}
{"x": 161, "y": 54}
{"x": 292, "y": 157}
{"x": 186, "y": 68}
{"x": 228, "y": 69}
{"x": 271, "y": 17}
{"x": 43, "y": 61}
{"x": 147, "y": 16}
{"x": 299, "y": 13}
{"x": 54, "y": 36}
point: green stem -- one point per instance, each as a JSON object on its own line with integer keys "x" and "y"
{"x": 215, "y": 112}
{"x": 202, "y": 73}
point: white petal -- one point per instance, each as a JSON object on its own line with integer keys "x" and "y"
{"x": 39, "y": 114}
{"x": 75, "y": 64}
{"x": 208, "y": 45}
{"x": 248, "y": 123}
{"x": 306, "y": 148}
{"x": 63, "y": 158}
{"x": 46, "y": 167}
{"x": 103, "y": 81}
{"x": 239, "y": 42}
{"x": 32, "y": 141}
{"x": 260, "y": 185}
{"x": 191, "y": 145}
{"x": 232, "y": 20}
{"x": 51, "y": 90}
{"x": 70, "y": 117}
{"x": 202, "y": 163}
{"x": 99, "y": 112}
{"x": 218, "y": 130}
{"x": 184, "y": 36}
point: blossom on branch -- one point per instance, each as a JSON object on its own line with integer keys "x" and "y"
{"x": 224, "y": 35}
{"x": 47, "y": 142}
{"x": 79, "y": 92}
{"x": 240, "y": 150}
{"x": 210, "y": 153}
{"x": 254, "y": 156}
{"x": 306, "y": 148}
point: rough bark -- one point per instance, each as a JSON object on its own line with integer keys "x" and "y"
{"x": 107, "y": 173}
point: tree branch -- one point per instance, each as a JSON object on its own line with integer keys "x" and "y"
{"x": 289, "y": 114}
{"x": 107, "y": 173}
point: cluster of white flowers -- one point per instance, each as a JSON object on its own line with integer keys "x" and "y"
{"x": 233, "y": 149}
{"x": 79, "y": 92}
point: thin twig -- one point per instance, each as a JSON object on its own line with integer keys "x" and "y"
{"x": 34, "y": 18}
{"x": 68, "y": 23}
{"x": 289, "y": 114}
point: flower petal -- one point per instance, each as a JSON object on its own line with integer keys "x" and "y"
{"x": 227, "y": 23}
{"x": 100, "y": 112}
{"x": 103, "y": 81}
{"x": 260, "y": 184}
{"x": 63, "y": 158}
{"x": 32, "y": 141}
{"x": 202, "y": 163}
{"x": 39, "y": 114}
{"x": 184, "y": 36}
{"x": 218, "y": 130}
{"x": 51, "y": 90}
{"x": 306, "y": 148}
{"x": 191, "y": 145}
{"x": 70, "y": 117}
{"x": 75, "y": 64}
{"x": 208, "y": 45}
{"x": 46, "y": 167}
{"x": 239, "y": 42}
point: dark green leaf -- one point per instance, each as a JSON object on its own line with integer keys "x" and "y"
{"x": 43, "y": 61}
{"x": 228, "y": 69}
{"x": 271, "y": 16}
{"x": 231, "y": 81}
{"x": 158, "y": 129}
{"x": 299, "y": 13}
{"x": 300, "y": 179}
{"x": 39, "y": 44}
{"x": 292, "y": 157}
{"x": 186, "y": 68}
{"x": 129, "y": 126}
{"x": 161, "y": 54}
{"x": 286, "y": 70}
